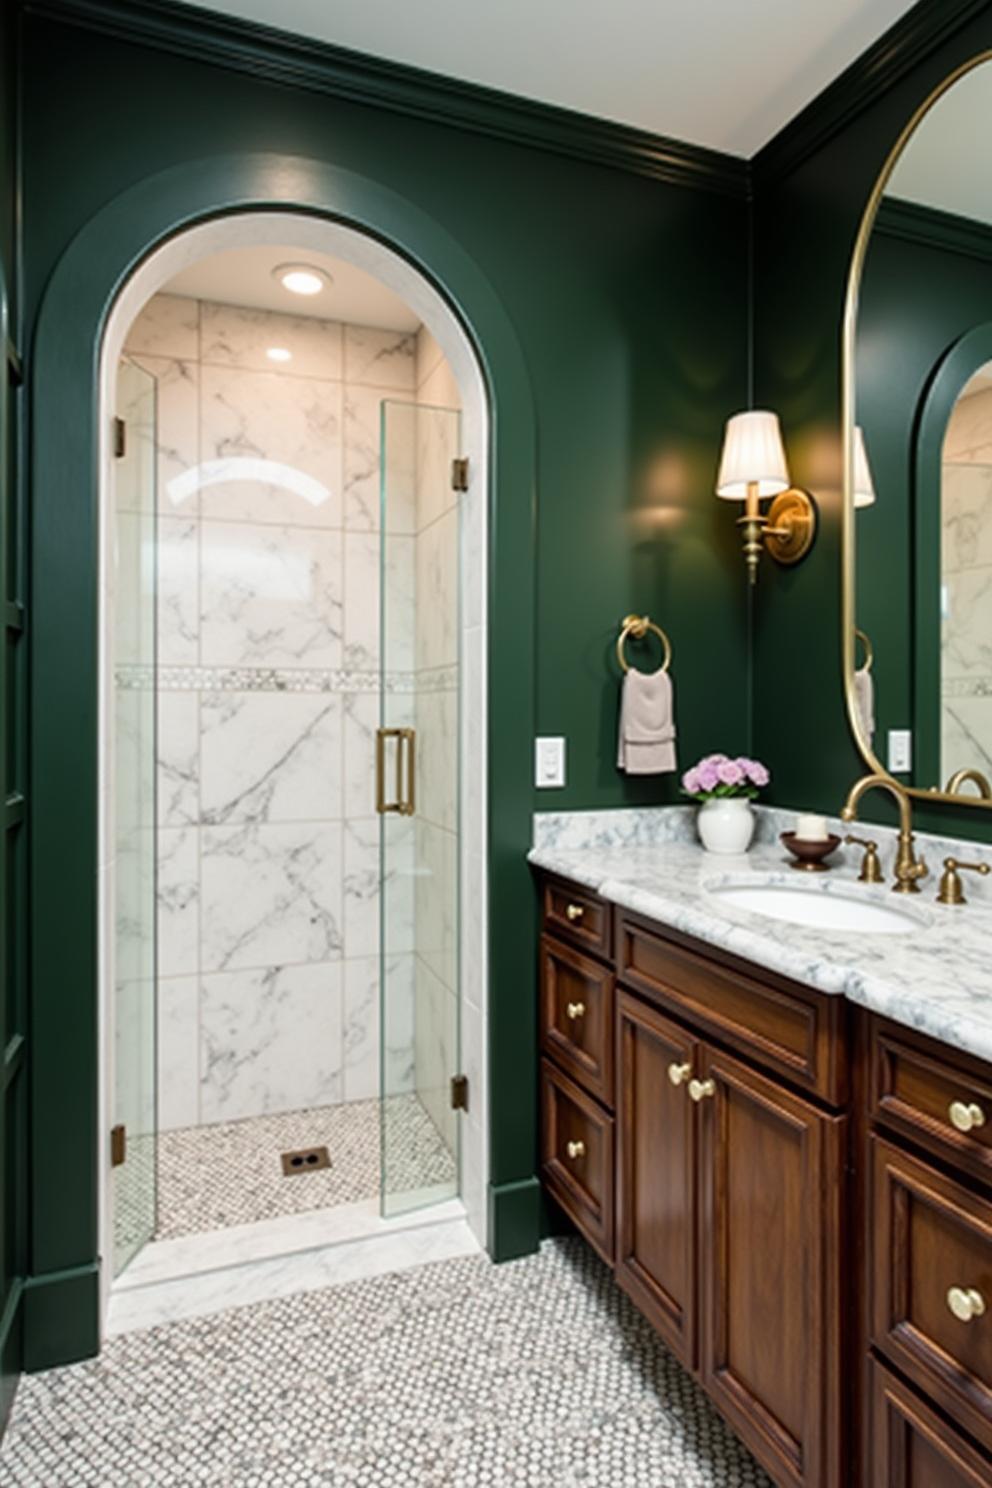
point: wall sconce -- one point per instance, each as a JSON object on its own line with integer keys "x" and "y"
{"x": 864, "y": 486}
{"x": 753, "y": 468}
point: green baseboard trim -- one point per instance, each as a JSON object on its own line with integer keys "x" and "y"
{"x": 61, "y": 1317}
{"x": 514, "y": 1219}
{"x": 11, "y": 1349}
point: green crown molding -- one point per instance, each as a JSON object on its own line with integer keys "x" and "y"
{"x": 928, "y": 225}
{"x": 300, "y": 62}
{"x": 918, "y": 33}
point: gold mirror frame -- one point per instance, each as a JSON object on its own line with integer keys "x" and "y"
{"x": 848, "y": 399}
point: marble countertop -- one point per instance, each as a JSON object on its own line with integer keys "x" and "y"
{"x": 935, "y": 977}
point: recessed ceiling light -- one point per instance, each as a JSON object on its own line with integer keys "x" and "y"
{"x": 301, "y": 279}
{"x": 279, "y": 354}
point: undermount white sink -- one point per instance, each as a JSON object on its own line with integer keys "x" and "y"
{"x": 822, "y": 907}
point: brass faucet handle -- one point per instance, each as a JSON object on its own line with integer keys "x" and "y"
{"x": 950, "y": 891}
{"x": 871, "y": 867}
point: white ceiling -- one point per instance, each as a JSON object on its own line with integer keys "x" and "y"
{"x": 243, "y": 276}
{"x": 946, "y": 161}
{"x": 723, "y": 73}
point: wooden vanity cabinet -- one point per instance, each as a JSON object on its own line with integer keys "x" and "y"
{"x": 728, "y": 1198}
{"x": 789, "y": 1189}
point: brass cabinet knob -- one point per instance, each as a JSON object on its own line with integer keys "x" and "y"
{"x": 575, "y": 1149}
{"x": 575, "y": 1009}
{"x": 701, "y": 1089}
{"x": 966, "y": 1303}
{"x": 574, "y": 912}
{"x": 679, "y": 1073}
{"x": 965, "y": 1116}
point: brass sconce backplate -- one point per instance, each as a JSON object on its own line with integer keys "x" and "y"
{"x": 790, "y": 526}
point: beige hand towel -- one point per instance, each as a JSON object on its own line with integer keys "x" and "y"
{"x": 864, "y": 701}
{"x": 647, "y": 728}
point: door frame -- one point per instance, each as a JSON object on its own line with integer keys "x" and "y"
{"x": 100, "y": 272}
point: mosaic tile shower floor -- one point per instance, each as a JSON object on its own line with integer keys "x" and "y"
{"x": 534, "y": 1374}
{"x": 212, "y": 1177}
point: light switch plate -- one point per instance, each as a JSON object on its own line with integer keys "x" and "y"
{"x": 549, "y": 763}
{"x": 900, "y": 751}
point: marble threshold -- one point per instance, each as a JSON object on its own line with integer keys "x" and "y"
{"x": 198, "y": 1275}
{"x": 935, "y": 977}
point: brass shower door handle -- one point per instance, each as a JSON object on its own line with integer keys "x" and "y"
{"x": 406, "y": 767}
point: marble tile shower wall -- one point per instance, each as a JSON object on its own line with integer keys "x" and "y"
{"x": 966, "y": 514}
{"x": 268, "y": 560}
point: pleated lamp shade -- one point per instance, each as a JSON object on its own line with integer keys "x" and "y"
{"x": 864, "y": 486}
{"x": 753, "y": 455}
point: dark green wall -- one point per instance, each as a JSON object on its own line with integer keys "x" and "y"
{"x": 806, "y": 220}
{"x": 628, "y": 299}
{"x": 13, "y": 1023}
{"x": 918, "y": 298}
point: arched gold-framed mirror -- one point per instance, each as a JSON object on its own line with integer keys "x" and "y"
{"x": 917, "y": 432}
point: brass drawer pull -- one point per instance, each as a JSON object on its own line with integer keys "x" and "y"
{"x": 576, "y": 1010}
{"x": 575, "y": 1149}
{"x": 701, "y": 1089}
{"x": 966, "y": 1303}
{"x": 965, "y": 1117}
{"x": 574, "y": 912}
{"x": 679, "y": 1073}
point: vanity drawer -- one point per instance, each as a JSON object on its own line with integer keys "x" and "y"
{"x": 924, "y": 1093}
{"x": 577, "y": 1157}
{"x": 931, "y": 1284}
{"x": 912, "y": 1446}
{"x": 578, "y": 915}
{"x": 577, "y": 1016}
{"x": 792, "y": 1030}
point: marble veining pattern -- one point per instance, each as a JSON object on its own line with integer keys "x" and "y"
{"x": 536, "y": 1372}
{"x": 269, "y": 675}
{"x": 936, "y": 978}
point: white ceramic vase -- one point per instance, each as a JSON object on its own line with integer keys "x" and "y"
{"x": 726, "y": 824}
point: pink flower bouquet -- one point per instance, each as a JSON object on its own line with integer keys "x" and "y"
{"x": 718, "y": 776}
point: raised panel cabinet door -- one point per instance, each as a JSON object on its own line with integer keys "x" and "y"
{"x": 656, "y": 1185}
{"x": 577, "y": 1016}
{"x": 912, "y": 1447}
{"x": 771, "y": 1179}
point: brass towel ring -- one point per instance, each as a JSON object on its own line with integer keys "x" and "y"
{"x": 859, "y": 635}
{"x": 638, "y": 627}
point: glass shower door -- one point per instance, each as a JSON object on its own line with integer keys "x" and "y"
{"x": 417, "y": 780}
{"x": 133, "y": 1086}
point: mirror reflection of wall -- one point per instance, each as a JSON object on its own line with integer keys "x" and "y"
{"x": 923, "y": 398}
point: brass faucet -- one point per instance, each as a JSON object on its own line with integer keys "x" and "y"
{"x": 975, "y": 777}
{"x": 908, "y": 870}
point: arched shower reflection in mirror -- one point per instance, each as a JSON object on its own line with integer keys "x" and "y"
{"x": 922, "y": 367}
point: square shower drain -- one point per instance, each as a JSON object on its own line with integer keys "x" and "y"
{"x": 305, "y": 1160}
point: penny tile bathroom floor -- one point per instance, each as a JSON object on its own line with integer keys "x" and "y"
{"x": 212, "y": 1177}
{"x": 535, "y": 1374}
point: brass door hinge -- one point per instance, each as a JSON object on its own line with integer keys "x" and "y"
{"x": 120, "y": 439}
{"x": 459, "y": 474}
{"x": 459, "y": 1092}
{"x": 118, "y": 1145}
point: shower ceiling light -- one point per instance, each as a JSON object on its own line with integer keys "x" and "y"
{"x": 279, "y": 354}
{"x": 301, "y": 279}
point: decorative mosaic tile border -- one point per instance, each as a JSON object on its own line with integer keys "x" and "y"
{"x": 281, "y": 679}
{"x": 962, "y": 687}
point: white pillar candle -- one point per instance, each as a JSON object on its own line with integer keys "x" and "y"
{"x": 811, "y": 828}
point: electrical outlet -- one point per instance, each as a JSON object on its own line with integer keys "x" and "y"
{"x": 900, "y": 751}
{"x": 549, "y": 763}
